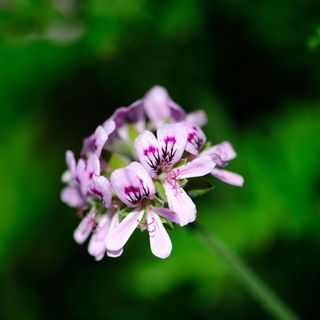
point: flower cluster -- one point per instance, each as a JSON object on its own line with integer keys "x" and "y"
{"x": 134, "y": 171}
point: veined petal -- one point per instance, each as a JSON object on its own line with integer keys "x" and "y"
{"x": 196, "y": 138}
{"x": 228, "y": 177}
{"x": 118, "y": 237}
{"x": 132, "y": 184}
{"x": 224, "y": 150}
{"x": 156, "y": 105}
{"x": 196, "y": 168}
{"x": 96, "y": 245}
{"x": 93, "y": 166}
{"x": 146, "y": 183}
{"x": 160, "y": 242}
{"x": 85, "y": 228}
{"x": 81, "y": 176}
{"x": 173, "y": 140}
{"x": 101, "y": 187}
{"x": 72, "y": 197}
{"x": 198, "y": 117}
{"x": 167, "y": 213}
{"x": 149, "y": 151}
{"x": 181, "y": 203}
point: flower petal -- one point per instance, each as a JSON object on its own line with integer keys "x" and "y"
{"x": 196, "y": 138}
{"x": 72, "y": 197}
{"x": 224, "y": 150}
{"x": 117, "y": 238}
{"x": 198, "y": 117}
{"x": 132, "y": 184}
{"x": 149, "y": 151}
{"x": 96, "y": 245}
{"x": 181, "y": 203}
{"x": 71, "y": 162}
{"x": 160, "y": 242}
{"x": 228, "y": 177}
{"x": 93, "y": 166}
{"x": 196, "y": 168}
{"x": 114, "y": 254}
{"x": 173, "y": 140}
{"x": 144, "y": 179}
{"x": 85, "y": 228}
{"x": 156, "y": 105}
{"x": 167, "y": 213}
{"x": 177, "y": 112}
{"x": 101, "y": 187}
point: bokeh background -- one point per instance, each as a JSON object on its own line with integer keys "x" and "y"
{"x": 254, "y": 66}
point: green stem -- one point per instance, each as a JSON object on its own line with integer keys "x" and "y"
{"x": 247, "y": 277}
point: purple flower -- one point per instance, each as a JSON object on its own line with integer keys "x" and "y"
{"x": 135, "y": 188}
{"x": 159, "y": 155}
{"x": 221, "y": 153}
{"x": 84, "y": 182}
{"x": 125, "y": 117}
{"x": 96, "y": 142}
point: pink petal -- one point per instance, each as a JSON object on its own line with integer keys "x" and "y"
{"x": 196, "y": 168}
{"x": 160, "y": 242}
{"x": 85, "y": 228}
{"x": 97, "y": 246}
{"x": 176, "y": 112}
{"x": 197, "y": 117}
{"x": 118, "y": 237}
{"x": 181, "y": 203}
{"x": 100, "y": 138}
{"x": 93, "y": 166}
{"x": 144, "y": 178}
{"x": 156, "y": 105}
{"x": 228, "y": 177}
{"x": 167, "y": 213}
{"x": 224, "y": 150}
{"x": 196, "y": 138}
{"x": 149, "y": 151}
{"x": 72, "y": 197}
{"x": 173, "y": 140}
{"x": 114, "y": 254}
{"x": 71, "y": 162}
{"x": 132, "y": 184}
{"x": 101, "y": 187}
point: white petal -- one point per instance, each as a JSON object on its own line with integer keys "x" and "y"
{"x": 160, "y": 242}
{"x": 118, "y": 237}
{"x": 149, "y": 151}
{"x": 181, "y": 203}
{"x": 84, "y": 229}
{"x": 114, "y": 254}
{"x": 96, "y": 245}
{"x": 173, "y": 141}
{"x": 196, "y": 168}
{"x": 228, "y": 177}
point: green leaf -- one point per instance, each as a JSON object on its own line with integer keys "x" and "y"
{"x": 198, "y": 186}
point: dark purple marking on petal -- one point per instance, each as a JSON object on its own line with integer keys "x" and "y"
{"x": 153, "y": 156}
{"x": 169, "y": 150}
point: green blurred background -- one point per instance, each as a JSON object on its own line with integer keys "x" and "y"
{"x": 254, "y": 66}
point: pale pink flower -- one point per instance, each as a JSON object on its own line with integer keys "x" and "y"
{"x": 134, "y": 187}
{"x": 159, "y": 155}
{"x": 221, "y": 154}
{"x": 96, "y": 142}
{"x": 84, "y": 182}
